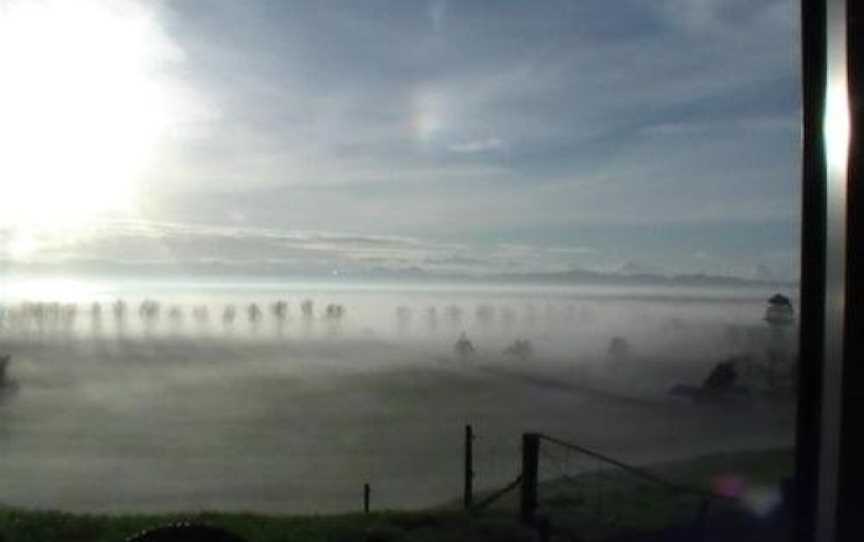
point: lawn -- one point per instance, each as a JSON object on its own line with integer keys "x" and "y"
{"x": 596, "y": 505}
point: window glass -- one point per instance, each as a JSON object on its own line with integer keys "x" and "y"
{"x": 258, "y": 255}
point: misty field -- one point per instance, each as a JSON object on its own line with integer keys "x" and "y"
{"x": 294, "y": 413}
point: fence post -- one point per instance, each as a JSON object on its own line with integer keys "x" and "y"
{"x": 469, "y": 467}
{"x": 530, "y": 458}
{"x": 700, "y": 526}
{"x": 367, "y": 491}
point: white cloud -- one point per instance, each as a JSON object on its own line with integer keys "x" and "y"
{"x": 144, "y": 245}
{"x": 444, "y": 120}
{"x": 477, "y": 145}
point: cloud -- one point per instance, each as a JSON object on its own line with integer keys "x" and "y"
{"x": 478, "y": 145}
{"x": 392, "y": 128}
{"x": 438, "y": 14}
{"x": 144, "y": 247}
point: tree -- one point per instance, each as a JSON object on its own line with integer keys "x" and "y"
{"x": 229, "y": 314}
{"x": 521, "y": 348}
{"x": 175, "y": 314}
{"x": 619, "y": 348}
{"x": 69, "y": 314}
{"x": 432, "y": 318}
{"x": 464, "y": 348}
{"x": 253, "y": 312}
{"x": 307, "y": 309}
{"x": 119, "y": 310}
{"x": 334, "y": 311}
{"x": 4, "y": 365}
{"x": 201, "y": 314}
{"x": 148, "y": 311}
{"x": 722, "y": 378}
{"x": 454, "y": 314}
{"x": 279, "y": 310}
{"x": 96, "y": 317}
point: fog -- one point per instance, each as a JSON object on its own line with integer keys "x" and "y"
{"x": 166, "y": 401}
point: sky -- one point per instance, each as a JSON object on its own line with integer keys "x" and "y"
{"x": 471, "y": 136}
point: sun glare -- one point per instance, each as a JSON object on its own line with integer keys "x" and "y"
{"x": 81, "y": 109}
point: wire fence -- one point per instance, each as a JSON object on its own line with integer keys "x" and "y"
{"x": 495, "y": 470}
{"x": 582, "y": 491}
{"x": 496, "y": 459}
{"x": 572, "y": 492}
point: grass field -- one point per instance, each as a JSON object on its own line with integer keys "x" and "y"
{"x": 630, "y": 506}
{"x": 607, "y": 503}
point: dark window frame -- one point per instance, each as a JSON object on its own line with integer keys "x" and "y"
{"x": 828, "y": 468}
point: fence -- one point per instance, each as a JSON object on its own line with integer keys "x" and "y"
{"x": 561, "y": 487}
{"x": 577, "y": 490}
{"x": 492, "y": 474}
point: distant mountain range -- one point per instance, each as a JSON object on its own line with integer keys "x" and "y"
{"x": 628, "y": 275}
{"x": 573, "y": 276}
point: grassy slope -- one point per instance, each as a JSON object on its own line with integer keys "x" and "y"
{"x": 624, "y": 504}
{"x": 28, "y": 526}
{"x": 627, "y": 505}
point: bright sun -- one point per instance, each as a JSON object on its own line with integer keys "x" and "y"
{"x": 81, "y": 110}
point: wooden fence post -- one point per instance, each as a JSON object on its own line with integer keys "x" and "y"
{"x": 367, "y": 491}
{"x": 469, "y": 467}
{"x": 530, "y": 459}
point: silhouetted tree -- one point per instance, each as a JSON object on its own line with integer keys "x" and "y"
{"x": 52, "y": 312}
{"x": 38, "y": 315}
{"x": 521, "y": 348}
{"x": 175, "y": 314}
{"x": 253, "y": 312}
{"x": 68, "y": 315}
{"x": 464, "y": 348}
{"x": 148, "y": 311}
{"x": 432, "y": 318}
{"x": 619, "y": 349}
{"x": 201, "y": 314}
{"x": 119, "y": 309}
{"x": 334, "y": 311}
{"x": 279, "y": 310}
{"x": 722, "y": 378}
{"x": 229, "y": 314}
{"x": 403, "y": 319}
{"x": 96, "y": 317}
{"x": 780, "y": 312}
{"x": 4, "y": 366}
{"x": 307, "y": 309}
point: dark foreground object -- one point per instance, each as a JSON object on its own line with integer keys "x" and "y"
{"x": 186, "y": 533}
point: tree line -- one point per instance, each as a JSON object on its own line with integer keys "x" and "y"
{"x": 151, "y": 311}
